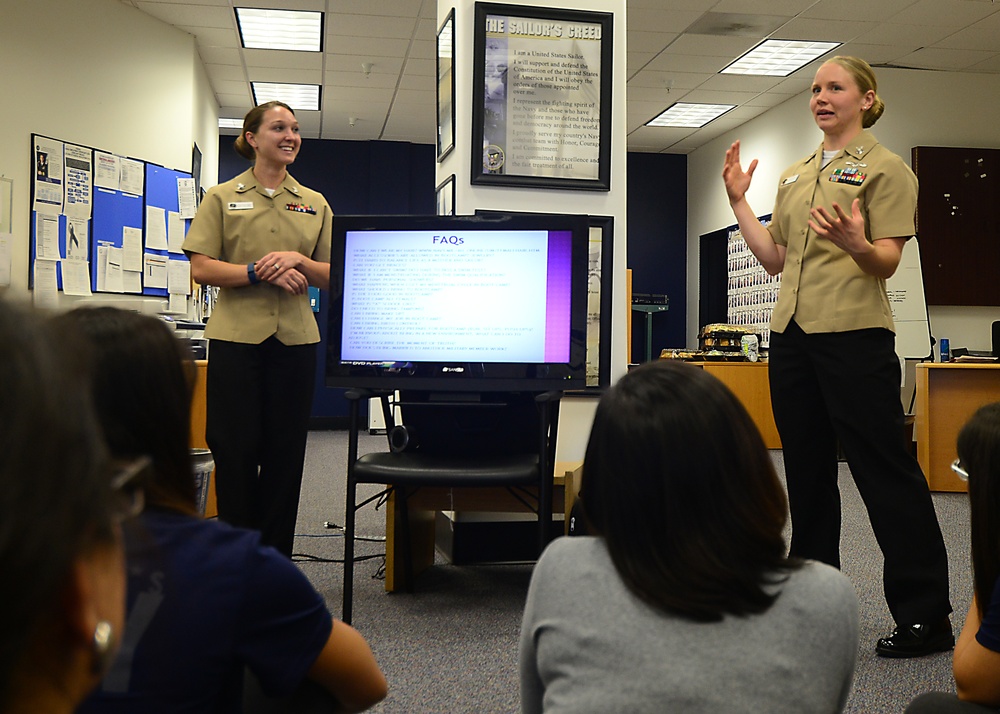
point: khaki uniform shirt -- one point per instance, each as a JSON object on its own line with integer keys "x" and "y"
{"x": 822, "y": 287}
{"x": 239, "y": 223}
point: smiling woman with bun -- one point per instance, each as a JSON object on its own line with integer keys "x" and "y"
{"x": 263, "y": 238}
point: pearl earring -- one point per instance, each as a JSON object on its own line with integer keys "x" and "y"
{"x": 102, "y": 646}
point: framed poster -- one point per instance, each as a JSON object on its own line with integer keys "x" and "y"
{"x": 196, "y": 169}
{"x": 541, "y": 108}
{"x": 445, "y": 194}
{"x": 446, "y": 86}
{"x": 600, "y": 271}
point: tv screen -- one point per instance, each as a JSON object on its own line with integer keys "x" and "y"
{"x": 458, "y": 303}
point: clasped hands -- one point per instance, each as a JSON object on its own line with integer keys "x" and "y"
{"x": 281, "y": 268}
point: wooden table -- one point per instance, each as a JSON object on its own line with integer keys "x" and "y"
{"x": 749, "y": 382}
{"x": 946, "y": 396}
{"x": 425, "y": 503}
{"x": 198, "y": 428}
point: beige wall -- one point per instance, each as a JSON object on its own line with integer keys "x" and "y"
{"x": 101, "y": 74}
{"x": 922, "y": 109}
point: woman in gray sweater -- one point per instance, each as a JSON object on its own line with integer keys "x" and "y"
{"x": 685, "y": 599}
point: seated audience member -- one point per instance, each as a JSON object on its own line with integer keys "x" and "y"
{"x": 976, "y": 662}
{"x": 684, "y": 600}
{"x": 62, "y": 598}
{"x": 205, "y": 600}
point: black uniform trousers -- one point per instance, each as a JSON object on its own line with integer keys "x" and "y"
{"x": 259, "y": 399}
{"x": 845, "y": 386}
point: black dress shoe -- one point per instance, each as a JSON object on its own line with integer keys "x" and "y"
{"x": 917, "y": 640}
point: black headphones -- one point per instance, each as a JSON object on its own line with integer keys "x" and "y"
{"x": 402, "y": 439}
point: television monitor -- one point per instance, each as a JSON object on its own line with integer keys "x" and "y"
{"x": 458, "y": 303}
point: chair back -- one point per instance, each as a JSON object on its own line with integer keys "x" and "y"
{"x": 486, "y": 425}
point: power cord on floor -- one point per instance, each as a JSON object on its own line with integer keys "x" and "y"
{"x": 309, "y": 558}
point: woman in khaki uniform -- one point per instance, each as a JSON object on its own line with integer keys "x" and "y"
{"x": 262, "y": 238}
{"x": 841, "y": 218}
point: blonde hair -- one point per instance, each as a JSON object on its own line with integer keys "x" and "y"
{"x": 251, "y": 123}
{"x": 864, "y": 77}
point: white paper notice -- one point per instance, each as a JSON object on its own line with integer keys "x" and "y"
{"x": 46, "y": 237}
{"x": 5, "y": 242}
{"x": 76, "y": 239}
{"x": 113, "y": 282}
{"x": 177, "y": 304}
{"x": 175, "y": 231}
{"x": 46, "y": 288}
{"x": 186, "y": 197}
{"x": 155, "y": 271}
{"x": 107, "y": 170}
{"x": 131, "y": 249}
{"x": 132, "y": 281}
{"x": 156, "y": 228}
{"x": 102, "y": 267}
{"x": 48, "y": 176}
{"x": 179, "y": 277}
{"x": 131, "y": 180}
{"x": 76, "y": 277}
{"x": 78, "y": 199}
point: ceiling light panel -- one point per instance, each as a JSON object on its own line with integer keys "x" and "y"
{"x": 225, "y": 123}
{"x": 779, "y": 58}
{"x": 297, "y": 96}
{"x": 693, "y": 116}
{"x": 262, "y": 29}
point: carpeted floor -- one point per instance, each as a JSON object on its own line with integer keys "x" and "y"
{"x": 452, "y": 645}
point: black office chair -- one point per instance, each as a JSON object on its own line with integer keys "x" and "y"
{"x": 454, "y": 441}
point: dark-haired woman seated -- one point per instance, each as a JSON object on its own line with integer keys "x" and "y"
{"x": 685, "y": 600}
{"x": 205, "y": 600}
{"x": 62, "y": 570}
{"x": 976, "y": 662}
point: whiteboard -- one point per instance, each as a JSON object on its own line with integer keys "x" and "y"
{"x": 909, "y": 305}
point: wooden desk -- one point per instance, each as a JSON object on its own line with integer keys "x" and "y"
{"x": 749, "y": 382}
{"x": 198, "y": 427}
{"x": 946, "y": 396}
{"x": 427, "y": 501}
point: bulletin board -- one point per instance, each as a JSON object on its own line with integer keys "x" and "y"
{"x": 79, "y": 183}
{"x": 905, "y": 290}
{"x": 61, "y": 213}
{"x": 161, "y": 195}
{"x": 114, "y": 210}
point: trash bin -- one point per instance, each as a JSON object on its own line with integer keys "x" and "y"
{"x": 202, "y": 464}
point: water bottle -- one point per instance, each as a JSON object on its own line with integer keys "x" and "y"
{"x": 945, "y": 350}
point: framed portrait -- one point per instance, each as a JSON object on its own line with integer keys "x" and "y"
{"x": 600, "y": 272}
{"x": 541, "y": 107}
{"x": 445, "y": 194}
{"x": 446, "y": 86}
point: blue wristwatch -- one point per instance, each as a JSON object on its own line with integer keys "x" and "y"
{"x": 252, "y": 274}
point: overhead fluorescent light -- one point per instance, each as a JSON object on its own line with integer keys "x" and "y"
{"x": 297, "y": 96}
{"x": 690, "y": 115}
{"x": 225, "y": 123}
{"x": 779, "y": 58}
{"x": 262, "y": 29}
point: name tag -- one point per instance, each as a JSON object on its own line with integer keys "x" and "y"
{"x": 790, "y": 179}
{"x": 240, "y": 205}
